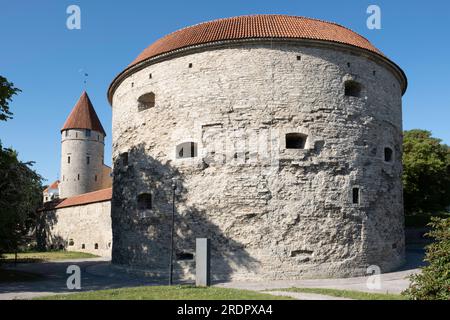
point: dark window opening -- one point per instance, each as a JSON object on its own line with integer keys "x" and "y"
{"x": 88, "y": 160}
{"x": 388, "y": 154}
{"x": 348, "y": 64}
{"x": 96, "y": 177}
{"x": 124, "y": 158}
{"x": 98, "y": 137}
{"x": 295, "y": 141}
{"x": 150, "y": 76}
{"x": 132, "y": 84}
{"x": 83, "y": 246}
{"x": 355, "y": 196}
{"x": 96, "y": 246}
{"x": 186, "y": 150}
{"x": 299, "y": 58}
{"x": 374, "y": 73}
{"x": 146, "y": 101}
{"x": 71, "y": 242}
{"x": 88, "y": 132}
{"x": 184, "y": 256}
{"x": 145, "y": 201}
{"x": 352, "y": 88}
{"x": 190, "y": 65}
{"x": 78, "y": 176}
{"x": 68, "y": 159}
{"x": 67, "y": 133}
{"x": 76, "y": 134}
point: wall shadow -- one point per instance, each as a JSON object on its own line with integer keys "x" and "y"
{"x": 141, "y": 238}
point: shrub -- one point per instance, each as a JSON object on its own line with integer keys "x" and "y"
{"x": 433, "y": 283}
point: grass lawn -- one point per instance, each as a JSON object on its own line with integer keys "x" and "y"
{"x": 17, "y": 276}
{"x": 356, "y": 295}
{"x": 167, "y": 293}
{"x": 45, "y": 256}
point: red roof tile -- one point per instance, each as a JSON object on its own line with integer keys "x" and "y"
{"x": 54, "y": 185}
{"x": 83, "y": 116}
{"x": 82, "y": 199}
{"x": 250, "y": 27}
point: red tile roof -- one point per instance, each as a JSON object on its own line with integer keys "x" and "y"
{"x": 255, "y": 26}
{"x": 82, "y": 199}
{"x": 54, "y": 185}
{"x": 83, "y": 116}
{"x": 250, "y": 27}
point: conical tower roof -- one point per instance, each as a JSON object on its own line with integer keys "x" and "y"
{"x": 83, "y": 116}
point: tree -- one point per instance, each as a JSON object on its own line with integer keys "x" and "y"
{"x": 433, "y": 283}
{"x": 20, "y": 197}
{"x": 20, "y": 186}
{"x": 426, "y": 173}
{"x": 7, "y": 91}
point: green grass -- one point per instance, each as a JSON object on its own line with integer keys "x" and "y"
{"x": 167, "y": 293}
{"x": 7, "y": 276}
{"x": 356, "y": 295}
{"x": 45, "y": 256}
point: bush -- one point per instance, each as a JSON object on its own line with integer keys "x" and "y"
{"x": 433, "y": 283}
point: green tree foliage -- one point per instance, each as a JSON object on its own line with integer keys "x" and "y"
{"x": 434, "y": 281}
{"x": 7, "y": 91}
{"x": 20, "y": 197}
{"x": 426, "y": 173}
{"x": 20, "y": 186}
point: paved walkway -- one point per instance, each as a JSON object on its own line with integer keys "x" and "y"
{"x": 97, "y": 274}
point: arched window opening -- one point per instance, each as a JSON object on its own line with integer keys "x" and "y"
{"x": 388, "y": 154}
{"x": 186, "y": 150}
{"x": 96, "y": 246}
{"x": 146, "y": 101}
{"x": 295, "y": 141}
{"x": 144, "y": 201}
{"x": 352, "y": 88}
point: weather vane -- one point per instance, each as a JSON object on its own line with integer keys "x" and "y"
{"x": 85, "y": 77}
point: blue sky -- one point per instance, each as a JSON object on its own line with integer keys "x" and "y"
{"x": 43, "y": 58}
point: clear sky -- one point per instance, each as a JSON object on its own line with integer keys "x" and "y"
{"x": 44, "y": 58}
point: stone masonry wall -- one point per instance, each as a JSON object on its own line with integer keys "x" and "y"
{"x": 71, "y": 228}
{"x": 78, "y": 177}
{"x": 270, "y": 212}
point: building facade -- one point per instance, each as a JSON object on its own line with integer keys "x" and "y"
{"x": 283, "y": 137}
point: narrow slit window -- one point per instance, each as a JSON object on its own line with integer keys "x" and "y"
{"x": 355, "y": 196}
{"x": 78, "y": 176}
{"x": 388, "y": 154}
{"x": 295, "y": 141}
{"x": 68, "y": 159}
{"x": 184, "y": 256}
{"x": 88, "y": 160}
{"x": 186, "y": 150}
{"x": 124, "y": 157}
{"x": 144, "y": 201}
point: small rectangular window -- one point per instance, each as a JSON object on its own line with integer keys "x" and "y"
{"x": 355, "y": 196}
{"x": 88, "y": 132}
{"x": 67, "y": 133}
{"x": 88, "y": 160}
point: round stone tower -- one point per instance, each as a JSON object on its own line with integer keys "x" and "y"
{"x": 283, "y": 137}
{"x": 82, "y": 151}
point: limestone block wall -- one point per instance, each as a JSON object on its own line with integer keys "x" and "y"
{"x": 80, "y": 176}
{"x": 270, "y": 212}
{"x": 83, "y": 228}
